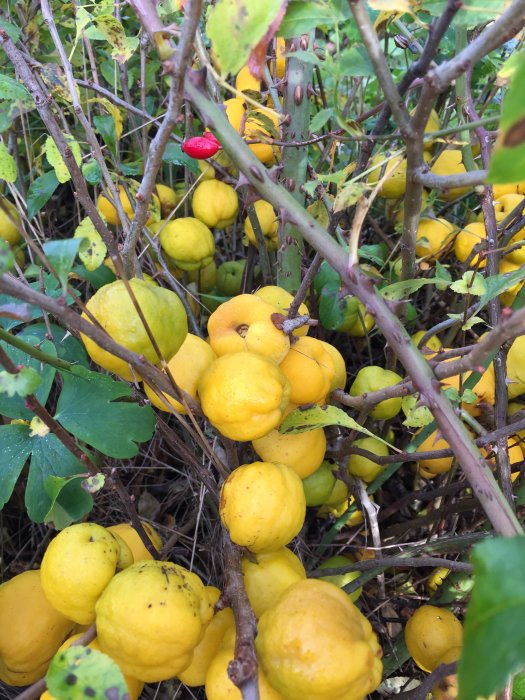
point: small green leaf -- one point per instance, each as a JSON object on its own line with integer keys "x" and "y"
{"x": 518, "y": 687}
{"x": 416, "y": 416}
{"x": 355, "y": 62}
{"x": 496, "y": 284}
{"x": 402, "y": 290}
{"x": 494, "y": 642}
{"x": 471, "y": 14}
{"x": 333, "y": 307}
{"x": 25, "y": 382}
{"x": 320, "y": 119}
{"x": 15, "y": 448}
{"x": 11, "y": 30}
{"x": 301, "y": 420}
{"x": 40, "y": 191}
{"x": 301, "y": 17}
{"x": 80, "y": 672}
{"x": 470, "y": 283}
{"x": 235, "y": 27}
{"x": 7, "y": 257}
{"x": 88, "y": 407}
{"x": 7, "y": 164}
{"x": 348, "y": 195}
{"x": 61, "y": 255}
{"x": 174, "y": 155}
{"x": 11, "y": 89}
{"x": 105, "y": 126}
{"x": 92, "y": 172}
{"x": 66, "y": 502}
{"x": 326, "y": 275}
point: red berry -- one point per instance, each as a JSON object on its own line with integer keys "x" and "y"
{"x": 211, "y": 137}
{"x": 200, "y": 147}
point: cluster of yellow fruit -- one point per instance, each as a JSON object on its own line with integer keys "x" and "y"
{"x": 157, "y": 620}
{"x": 434, "y": 636}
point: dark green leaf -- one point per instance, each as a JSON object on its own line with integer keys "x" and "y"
{"x": 12, "y": 30}
{"x": 105, "y": 126}
{"x": 97, "y": 278}
{"x": 7, "y": 257}
{"x": 376, "y": 253}
{"x": 51, "y": 458}
{"x": 301, "y": 17}
{"x": 67, "y": 347}
{"x": 336, "y": 311}
{"x": 40, "y": 191}
{"x": 174, "y": 155}
{"x": 92, "y": 172}
{"x": 326, "y": 275}
{"x": 79, "y": 672}
{"x": 402, "y": 290}
{"x": 68, "y": 502}
{"x": 320, "y": 119}
{"x": 11, "y": 89}
{"x": 61, "y": 255}
{"x": 494, "y": 644}
{"x": 88, "y": 408}
{"x": 15, "y": 448}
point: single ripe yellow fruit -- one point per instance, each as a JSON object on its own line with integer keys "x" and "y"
{"x": 77, "y": 566}
{"x": 113, "y": 308}
{"x": 244, "y": 395}
{"x": 515, "y": 368}
{"x": 432, "y": 467}
{"x": 187, "y": 241}
{"x": 363, "y": 467}
{"x": 132, "y": 538}
{"x": 374, "y": 378}
{"x": 262, "y": 505}
{"x": 395, "y": 184}
{"x": 215, "y": 203}
{"x": 10, "y": 222}
{"x": 31, "y": 629}
{"x": 134, "y": 685}
{"x": 150, "y": 618}
{"x": 339, "y": 378}
{"x": 310, "y": 370}
{"x": 168, "y": 199}
{"x": 245, "y": 323}
{"x": 430, "y": 633}
{"x": 362, "y": 325}
{"x": 107, "y": 209}
{"x": 186, "y": 367}
{"x": 468, "y": 238}
{"x": 268, "y": 222}
{"x": 220, "y": 687}
{"x": 235, "y": 112}
{"x": 280, "y": 59}
{"x": 304, "y": 643}
{"x": 206, "y": 650}
{"x": 450, "y": 162}
{"x": 433, "y": 237}
{"x": 257, "y": 125}
{"x": 269, "y": 574}
{"x": 341, "y": 580}
{"x": 245, "y": 81}
{"x": 303, "y": 452}
{"x": 281, "y": 300}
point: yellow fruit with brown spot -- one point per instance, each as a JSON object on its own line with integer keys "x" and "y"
{"x": 430, "y": 633}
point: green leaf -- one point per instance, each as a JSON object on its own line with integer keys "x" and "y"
{"x": 61, "y": 255}
{"x": 336, "y": 312}
{"x": 496, "y": 284}
{"x": 472, "y": 12}
{"x": 51, "y": 458}
{"x": 79, "y": 672}
{"x": 355, "y": 62}
{"x": 13, "y": 405}
{"x": 11, "y": 89}
{"x": 105, "y": 126}
{"x": 320, "y": 119}
{"x": 88, "y": 408}
{"x": 301, "y": 17}
{"x": 113, "y": 31}
{"x": 508, "y": 157}
{"x": 416, "y": 416}
{"x": 469, "y": 323}
{"x": 97, "y": 278}
{"x": 7, "y": 164}
{"x": 518, "y": 687}
{"x": 235, "y": 27}
{"x": 66, "y": 502}
{"x": 66, "y": 346}
{"x": 92, "y": 172}
{"x": 301, "y": 420}
{"x": 471, "y": 283}
{"x": 15, "y": 448}
{"x": 7, "y": 257}
{"x": 12, "y": 31}
{"x": 40, "y": 191}
{"x": 174, "y": 155}
{"x": 326, "y": 275}
{"x": 494, "y": 642}
{"x": 348, "y": 195}
{"x": 25, "y": 382}
{"x": 403, "y": 289}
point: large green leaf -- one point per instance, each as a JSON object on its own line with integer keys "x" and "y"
{"x": 235, "y": 27}
{"x": 51, "y": 458}
{"x": 301, "y": 17}
{"x": 14, "y": 406}
{"x": 88, "y": 407}
{"x": 494, "y": 647}
{"x": 61, "y": 255}
{"x": 15, "y": 448}
{"x": 78, "y": 673}
{"x": 472, "y": 12}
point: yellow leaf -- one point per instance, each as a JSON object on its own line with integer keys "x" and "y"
{"x": 93, "y": 250}
{"x": 7, "y": 164}
{"x": 114, "y": 33}
{"x": 114, "y": 111}
{"x": 399, "y": 7}
{"x": 55, "y": 159}
{"x": 38, "y": 428}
